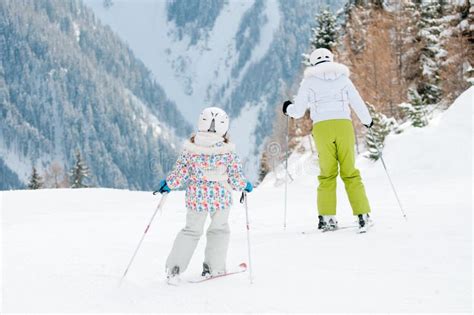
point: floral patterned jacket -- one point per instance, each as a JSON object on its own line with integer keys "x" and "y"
{"x": 209, "y": 175}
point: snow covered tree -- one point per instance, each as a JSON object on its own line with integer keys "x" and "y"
{"x": 430, "y": 27}
{"x": 325, "y": 34}
{"x": 382, "y": 127}
{"x": 108, "y": 4}
{"x": 36, "y": 182}
{"x": 79, "y": 172}
{"x": 415, "y": 109}
{"x": 457, "y": 72}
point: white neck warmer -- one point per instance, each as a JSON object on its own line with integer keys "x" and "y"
{"x": 207, "y": 139}
{"x": 327, "y": 71}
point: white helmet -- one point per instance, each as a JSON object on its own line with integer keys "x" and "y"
{"x": 320, "y": 55}
{"x": 213, "y": 119}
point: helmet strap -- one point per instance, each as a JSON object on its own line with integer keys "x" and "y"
{"x": 317, "y": 63}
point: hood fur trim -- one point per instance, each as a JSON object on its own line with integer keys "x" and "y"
{"x": 327, "y": 71}
{"x": 196, "y": 149}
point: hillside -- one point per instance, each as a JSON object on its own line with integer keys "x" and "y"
{"x": 420, "y": 265}
{"x": 68, "y": 83}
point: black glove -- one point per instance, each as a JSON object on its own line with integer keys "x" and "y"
{"x": 285, "y": 106}
{"x": 370, "y": 125}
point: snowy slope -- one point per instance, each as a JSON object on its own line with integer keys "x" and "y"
{"x": 65, "y": 250}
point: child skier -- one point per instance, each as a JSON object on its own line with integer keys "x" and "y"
{"x": 327, "y": 90}
{"x": 210, "y": 170}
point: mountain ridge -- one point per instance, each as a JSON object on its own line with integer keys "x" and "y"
{"x": 68, "y": 83}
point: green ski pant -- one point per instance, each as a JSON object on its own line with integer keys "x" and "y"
{"x": 335, "y": 142}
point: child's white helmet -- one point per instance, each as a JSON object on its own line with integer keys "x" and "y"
{"x": 320, "y": 55}
{"x": 213, "y": 119}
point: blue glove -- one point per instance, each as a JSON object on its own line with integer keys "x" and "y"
{"x": 163, "y": 187}
{"x": 249, "y": 187}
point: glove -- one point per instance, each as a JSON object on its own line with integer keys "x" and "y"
{"x": 163, "y": 187}
{"x": 249, "y": 187}
{"x": 369, "y": 125}
{"x": 285, "y": 106}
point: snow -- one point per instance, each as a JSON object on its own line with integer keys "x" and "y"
{"x": 149, "y": 120}
{"x": 241, "y": 132}
{"x": 77, "y": 31}
{"x": 65, "y": 250}
{"x": 272, "y": 14}
{"x": 15, "y": 160}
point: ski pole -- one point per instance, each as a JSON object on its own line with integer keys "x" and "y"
{"x": 158, "y": 208}
{"x": 286, "y": 169}
{"x": 244, "y": 199}
{"x": 388, "y": 175}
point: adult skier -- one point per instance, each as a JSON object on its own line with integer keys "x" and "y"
{"x": 210, "y": 170}
{"x": 328, "y": 92}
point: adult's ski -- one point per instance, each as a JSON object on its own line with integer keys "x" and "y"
{"x": 330, "y": 230}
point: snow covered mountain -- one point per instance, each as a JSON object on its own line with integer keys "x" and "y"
{"x": 423, "y": 265}
{"x": 67, "y": 82}
{"x": 244, "y": 56}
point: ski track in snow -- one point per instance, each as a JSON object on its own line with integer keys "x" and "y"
{"x": 65, "y": 250}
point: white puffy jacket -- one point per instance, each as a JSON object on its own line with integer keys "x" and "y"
{"x": 327, "y": 90}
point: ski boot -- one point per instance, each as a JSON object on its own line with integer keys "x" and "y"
{"x": 321, "y": 224}
{"x": 364, "y": 222}
{"x": 172, "y": 278}
{"x": 206, "y": 271}
{"x": 327, "y": 223}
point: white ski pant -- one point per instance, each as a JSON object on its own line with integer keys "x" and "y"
{"x": 188, "y": 238}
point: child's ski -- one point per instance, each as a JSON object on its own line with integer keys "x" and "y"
{"x": 241, "y": 268}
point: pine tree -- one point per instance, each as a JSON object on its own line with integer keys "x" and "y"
{"x": 325, "y": 34}
{"x": 36, "y": 182}
{"x": 375, "y": 139}
{"x": 430, "y": 27}
{"x": 79, "y": 172}
{"x": 415, "y": 109}
{"x": 108, "y": 4}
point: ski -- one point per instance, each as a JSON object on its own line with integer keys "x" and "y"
{"x": 241, "y": 268}
{"x": 333, "y": 230}
{"x": 360, "y": 231}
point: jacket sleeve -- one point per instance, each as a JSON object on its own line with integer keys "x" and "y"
{"x": 300, "y": 105}
{"x": 179, "y": 176}
{"x": 357, "y": 103}
{"x": 236, "y": 178}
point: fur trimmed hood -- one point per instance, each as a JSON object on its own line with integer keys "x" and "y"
{"x": 222, "y": 148}
{"x": 327, "y": 71}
